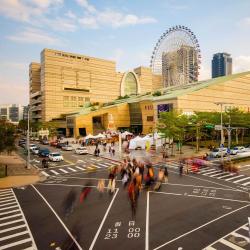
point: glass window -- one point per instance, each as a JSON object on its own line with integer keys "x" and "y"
{"x": 130, "y": 84}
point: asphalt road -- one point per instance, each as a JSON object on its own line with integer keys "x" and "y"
{"x": 195, "y": 211}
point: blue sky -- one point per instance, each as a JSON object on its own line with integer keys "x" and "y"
{"x": 122, "y": 30}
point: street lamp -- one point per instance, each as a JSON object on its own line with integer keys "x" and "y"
{"x": 221, "y": 125}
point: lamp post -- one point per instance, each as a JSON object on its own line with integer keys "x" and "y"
{"x": 28, "y": 140}
{"x": 221, "y": 124}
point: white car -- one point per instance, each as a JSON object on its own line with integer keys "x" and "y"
{"x": 81, "y": 150}
{"x": 35, "y": 150}
{"x": 218, "y": 151}
{"x": 236, "y": 150}
{"x": 67, "y": 148}
{"x": 55, "y": 157}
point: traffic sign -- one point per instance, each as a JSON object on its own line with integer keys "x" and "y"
{"x": 217, "y": 127}
{"x": 209, "y": 126}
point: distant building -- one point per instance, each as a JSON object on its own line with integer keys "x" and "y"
{"x": 179, "y": 67}
{"x": 11, "y": 112}
{"x": 221, "y": 65}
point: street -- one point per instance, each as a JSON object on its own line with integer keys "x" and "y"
{"x": 195, "y": 211}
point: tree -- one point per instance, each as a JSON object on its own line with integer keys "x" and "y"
{"x": 23, "y": 125}
{"x": 8, "y": 136}
{"x": 173, "y": 126}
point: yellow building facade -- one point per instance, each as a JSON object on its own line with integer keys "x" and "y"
{"x": 141, "y": 113}
{"x": 64, "y": 82}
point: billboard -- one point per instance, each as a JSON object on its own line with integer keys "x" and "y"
{"x": 164, "y": 108}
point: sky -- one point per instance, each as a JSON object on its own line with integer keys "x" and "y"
{"x": 122, "y": 30}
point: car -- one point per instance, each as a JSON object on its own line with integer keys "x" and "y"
{"x": 21, "y": 142}
{"x": 238, "y": 149}
{"x": 60, "y": 145}
{"x": 55, "y": 156}
{"x": 67, "y": 148}
{"x": 35, "y": 150}
{"x": 218, "y": 151}
{"x": 44, "y": 152}
{"x": 45, "y": 142}
{"x": 53, "y": 143}
{"x": 81, "y": 150}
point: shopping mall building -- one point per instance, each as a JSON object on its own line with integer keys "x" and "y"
{"x": 81, "y": 93}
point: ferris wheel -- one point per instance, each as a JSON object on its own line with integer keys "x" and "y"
{"x": 176, "y": 56}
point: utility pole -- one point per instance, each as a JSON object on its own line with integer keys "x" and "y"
{"x": 28, "y": 140}
{"x": 221, "y": 127}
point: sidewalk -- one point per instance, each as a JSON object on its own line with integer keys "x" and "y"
{"x": 17, "y": 173}
{"x": 152, "y": 156}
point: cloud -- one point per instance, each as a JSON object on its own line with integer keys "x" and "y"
{"x": 205, "y": 72}
{"x": 241, "y": 64}
{"x": 245, "y": 22}
{"x": 60, "y": 24}
{"x": 70, "y": 15}
{"x": 36, "y": 36}
{"x": 25, "y": 11}
{"x": 96, "y": 18}
{"x": 85, "y": 4}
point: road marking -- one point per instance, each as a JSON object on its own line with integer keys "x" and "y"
{"x": 95, "y": 166}
{"x": 44, "y": 173}
{"x": 64, "y": 226}
{"x": 5, "y": 198}
{"x": 229, "y": 179}
{"x": 10, "y": 222}
{"x": 214, "y": 175}
{"x": 245, "y": 184}
{"x": 80, "y": 168}
{"x": 102, "y": 164}
{"x": 164, "y": 193}
{"x": 231, "y": 245}
{"x": 241, "y": 180}
{"x": 241, "y": 236}
{"x": 8, "y": 207}
{"x": 10, "y": 203}
{"x": 73, "y": 170}
{"x": 217, "y": 198}
{"x": 207, "y": 170}
{"x": 195, "y": 229}
{"x": 103, "y": 220}
{"x": 27, "y": 225}
{"x": 14, "y": 235}
{"x": 63, "y": 170}
{"x": 147, "y": 224}
{"x": 6, "y": 194}
{"x": 210, "y": 248}
{"x": 54, "y": 172}
{"x": 9, "y": 199}
{"x": 12, "y": 228}
{"x": 214, "y": 172}
{"x": 11, "y": 216}
{"x": 225, "y": 176}
{"x": 70, "y": 162}
{"x": 8, "y": 246}
{"x": 9, "y": 212}
{"x": 4, "y": 190}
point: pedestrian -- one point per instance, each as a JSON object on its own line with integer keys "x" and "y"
{"x": 159, "y": 180}
{"x": 180, "y": 168}
{"x": 85, "y": 192}
{"x": 132, "y": 196}
{"x": 69, "y": 203}
{"x": 101, "y": 185}
{"x": 166, "y": 174}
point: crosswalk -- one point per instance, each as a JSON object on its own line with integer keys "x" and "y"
{"x": 213, "y": 172}
{"x": 237, "y": 240}
{"x": 80, "y": 167}
{"x": 14, "y": 229}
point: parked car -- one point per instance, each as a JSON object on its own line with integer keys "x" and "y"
{"x": 45, "y": 142}
{"x": 44, "y": 152}
{"x": 55, "y": 156}
{"x": 238, "y": 149}
{"x": 67, "y": 148}
{"x": 60, "y": 145}
{"x": 35, "y": 150}
{"x": 81, "y": 150}
{"x": 218, "y": 151}
{"x": 21, "y": 142}
{"x": 53, "y": 143}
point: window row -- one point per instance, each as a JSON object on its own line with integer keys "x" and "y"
{"x": 74, "y": 101}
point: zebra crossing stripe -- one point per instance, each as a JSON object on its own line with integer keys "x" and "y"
{"x": 225, "y": 176}
{"x": 73, "y": 170}
{"x": 80, "y": 168}
{"x": 214, "y": 175}
{"x": 11, "y": 222}
{"x": 96, "y": 166}
{"x": 63, "y": 170}
{"x": 207, "y": 171}
{"x": 8, "y": 207}
{"x": 54, "y": 172}
{"x": 245, "y": 184}
{"x": 229, "y": 179}
{"x": 5, "y": 194}
{"x": 9, "y": 212}
{"x": 11, "y": 228}
{"x": 11, "y": 216}
{"x": 241, "y": 180}
{"x": 44, "y": 173}
{"x": 102, "y": 164}
{"x": 9, "y": 198}
{"x": 245, "y": 227}
{"x": 5, "y": 204}
{"x": 90, "y": 168}
{"x": 15, "y": 244}
{"x": 209, "y": 248}
{"x": 13, "y": 235}
{"x": 241, "y": 236}
{"x": 4, "y": 190}
{"x": 229, "y": 244}
{"x": 213, "y": 172}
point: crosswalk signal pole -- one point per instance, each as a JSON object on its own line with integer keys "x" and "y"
{"x": 28, "y": 140}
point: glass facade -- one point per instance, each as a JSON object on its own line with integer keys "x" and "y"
{"x": 130, "y": 84}
{"x": 221, "y": 65}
